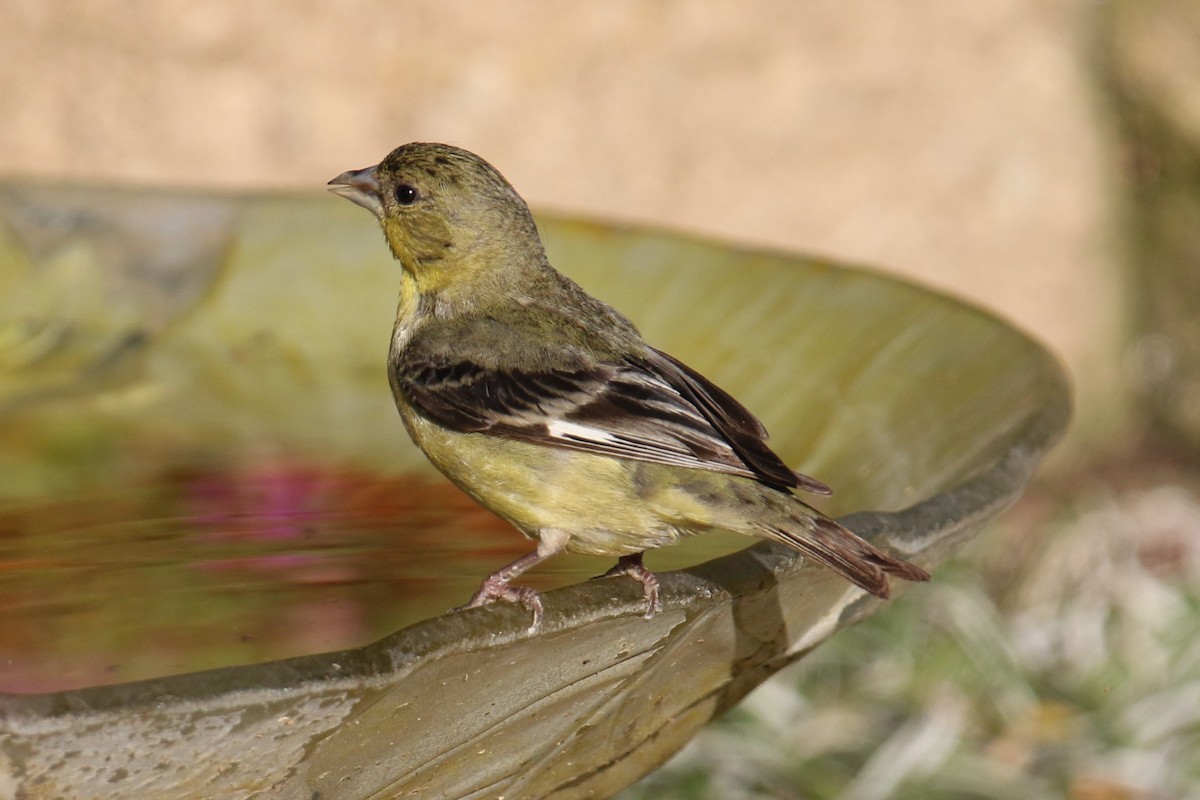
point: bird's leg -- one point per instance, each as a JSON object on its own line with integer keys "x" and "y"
{"x": 497, "y": 586}
{"x": 633, "y": 567}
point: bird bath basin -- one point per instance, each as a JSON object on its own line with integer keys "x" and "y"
{"x": 211, "y": 520}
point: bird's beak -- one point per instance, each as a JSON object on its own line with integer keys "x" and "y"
{"x": 360, "y": 186}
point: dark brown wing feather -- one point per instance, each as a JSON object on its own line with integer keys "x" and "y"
{"x": 650, "y": 409}
{"x": 741, "y": 429}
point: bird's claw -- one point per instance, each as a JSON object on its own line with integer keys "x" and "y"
{"x": 634, "y": 568}
{"x": 493, "y": 589}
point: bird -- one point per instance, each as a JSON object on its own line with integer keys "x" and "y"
{"x": 546, "y": 406}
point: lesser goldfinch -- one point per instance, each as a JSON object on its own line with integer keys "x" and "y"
{"x": 545, "y": 404}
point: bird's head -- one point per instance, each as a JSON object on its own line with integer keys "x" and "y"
{"x": 446, "y": 213}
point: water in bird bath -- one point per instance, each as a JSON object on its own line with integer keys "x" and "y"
{"x": 161, "y": 562}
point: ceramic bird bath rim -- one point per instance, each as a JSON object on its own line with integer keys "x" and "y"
{"x": 927, "y": 416}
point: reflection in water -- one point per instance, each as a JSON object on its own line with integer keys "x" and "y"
{"x": 206, "y": 567}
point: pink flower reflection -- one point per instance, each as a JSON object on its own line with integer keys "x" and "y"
{"x": 261, "y": 502}
{"x": 270, "y": 518}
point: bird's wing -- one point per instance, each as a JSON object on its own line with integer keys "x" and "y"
{"x": 648, "y": 408}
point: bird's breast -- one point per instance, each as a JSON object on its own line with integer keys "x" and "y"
{"x": 402, "y": 333}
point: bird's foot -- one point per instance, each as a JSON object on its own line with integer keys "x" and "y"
{"x": 634, "y": 568}
{"x": 496, "y": 587}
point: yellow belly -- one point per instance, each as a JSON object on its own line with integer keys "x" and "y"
{"x": 608, "y": 506}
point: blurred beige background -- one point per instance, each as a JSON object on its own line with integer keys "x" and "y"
{"x": 961, "y": 144}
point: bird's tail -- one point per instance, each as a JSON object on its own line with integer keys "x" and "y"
{"x": 852, "y": 557}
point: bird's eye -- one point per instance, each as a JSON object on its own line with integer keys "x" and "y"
{"x": 406, "y": 195}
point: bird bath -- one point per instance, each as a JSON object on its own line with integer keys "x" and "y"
{"x": 210, "y": 513}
